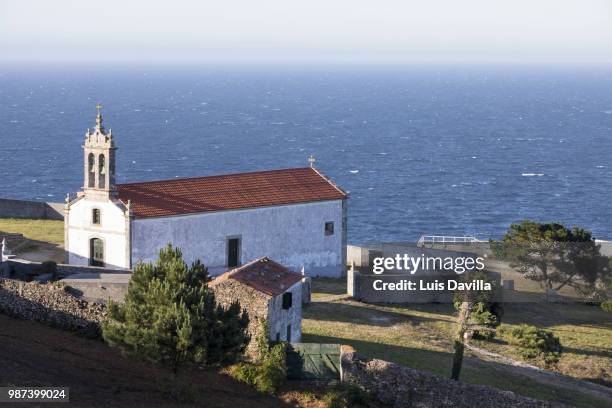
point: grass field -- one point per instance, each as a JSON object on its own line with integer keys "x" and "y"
{"x": 418, "y": 336}
{"x": 38, "y": 230}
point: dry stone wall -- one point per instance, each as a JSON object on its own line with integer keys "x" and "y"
{"x": 21, "y": 267}
{"x": 256, "y": 304}
{"x": 31, "y": 209}
{"x": 392, "y": 385}
{"x": 52, "y": 304}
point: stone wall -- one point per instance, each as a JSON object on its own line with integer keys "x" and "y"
{"x": 31, "y": 209}
{"x": 392, "y": 385}
{"x": 99, "y": 287}
{"x": 67, "y": 270}
{"x": 353, "y": 283}
{"x": 361, "y": 256}
{"x": 51, "y": 304}
{"x": 25, "y": 270}
{"x": 255, "y": 302}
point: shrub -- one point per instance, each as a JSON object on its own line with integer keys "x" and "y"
{"x": 606, "y": 305}
{"x": 487, "y": 315}
{"x": 244, "y": 372}
{"x": 342, "y": 395}
{"x": 533, "y": 342}
{"x": 266, "y": 376}
{"x": 269, "y": 373}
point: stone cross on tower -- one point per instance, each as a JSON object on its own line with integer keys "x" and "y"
{"x": 99, "y": 117}
{"x": 312, "y": 160}
{"x": 99, "y": 160}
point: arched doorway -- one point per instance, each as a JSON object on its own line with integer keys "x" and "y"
{"x": 96, "y": 252}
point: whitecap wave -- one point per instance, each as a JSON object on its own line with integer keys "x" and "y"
{"x": 532, "y": 174}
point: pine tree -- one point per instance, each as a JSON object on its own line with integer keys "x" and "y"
{"x": 170, "y": 317}
{"x": 550, "y": 253}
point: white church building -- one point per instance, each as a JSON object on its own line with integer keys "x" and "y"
{"x": 295, "y": 216}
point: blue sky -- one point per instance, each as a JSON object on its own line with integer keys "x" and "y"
{"x": 538, "y": 31}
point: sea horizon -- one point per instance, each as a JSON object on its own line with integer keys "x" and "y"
{"x": 422, "y": 150}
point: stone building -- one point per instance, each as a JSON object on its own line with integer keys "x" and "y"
{"x": 296, "y": 216}
{"x": 267, "y": 290}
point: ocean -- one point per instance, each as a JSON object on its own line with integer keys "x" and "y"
{"x": 421, "y": 150}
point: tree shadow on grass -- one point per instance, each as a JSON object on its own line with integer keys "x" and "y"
{"x": 599, "y": 353}
{"x": 555, "y": 314}
{"x": 437, "y": 362}
{"x": 329, "y": 286}
{"x": 381, "y": 315}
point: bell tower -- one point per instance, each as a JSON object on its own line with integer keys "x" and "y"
{"x": 99, "y": 161}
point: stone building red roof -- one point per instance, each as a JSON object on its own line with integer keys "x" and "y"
{"x": 228, "y": 192}
{"x": 263, "y": 275}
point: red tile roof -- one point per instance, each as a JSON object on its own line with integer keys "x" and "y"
{"x": 263, "y": 275}
{"x": 228, "y": 192}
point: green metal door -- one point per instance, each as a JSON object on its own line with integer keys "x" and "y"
{"x": 313, "y": 361}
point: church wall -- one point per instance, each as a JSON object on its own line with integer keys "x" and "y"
{"x": 293, "y": 235}
{"x": 279, "y": 318}
{"x": 112, "y": 230}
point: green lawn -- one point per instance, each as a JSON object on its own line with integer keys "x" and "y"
{"x": 418, "y": 336}
{"x": 585, "y": 333}
{"x": 38, "y": 230}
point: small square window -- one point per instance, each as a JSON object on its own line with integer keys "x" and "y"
{"x": 95, "y": 216}
{"x": 329, "y": 228}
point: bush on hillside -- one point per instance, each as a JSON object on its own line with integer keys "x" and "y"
{"x": 269, "y": 372}
{"x": 606, "y": 305}
{"x": 533, "y": 342}
{"x": 486, "y": 314}
{"x": 342, "y": 395}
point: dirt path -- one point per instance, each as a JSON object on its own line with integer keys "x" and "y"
{"x": 541, "y": 375}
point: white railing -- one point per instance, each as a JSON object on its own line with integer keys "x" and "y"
{"x": 444, "y": 239}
